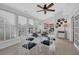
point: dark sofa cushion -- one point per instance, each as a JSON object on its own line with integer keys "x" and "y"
{"x": 46, "y": 42}
{"x": 29, "y": 46}
{"x": 45, "y": 34}
{"x": 35, "y": 35}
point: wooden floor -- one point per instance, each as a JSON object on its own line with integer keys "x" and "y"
{"x": 63, "y": 47}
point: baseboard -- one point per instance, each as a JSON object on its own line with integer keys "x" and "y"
{"x": 7, "y": 43}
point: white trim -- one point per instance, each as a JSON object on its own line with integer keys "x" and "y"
{"x": 7, "y": 43}
{"x": 76, "y": 46}
{"x": 10, "y": 31}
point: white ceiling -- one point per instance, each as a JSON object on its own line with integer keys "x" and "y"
{"x": 31, "y": 8}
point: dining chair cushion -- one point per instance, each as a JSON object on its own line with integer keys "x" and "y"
{"x": 29, "y": 46}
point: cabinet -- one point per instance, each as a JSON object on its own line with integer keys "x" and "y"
{"x": 61, "y": 34}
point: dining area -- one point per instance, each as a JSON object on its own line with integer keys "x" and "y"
{"x": 37, "y": 44}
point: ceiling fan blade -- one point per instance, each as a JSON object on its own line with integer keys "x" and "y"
{"x": 50, "y": 5}
{"x": 40, "y": 6}
{"x": 45, "y": 12}
{"x": 40, "y": 10}
{"x": 50, "y": 10}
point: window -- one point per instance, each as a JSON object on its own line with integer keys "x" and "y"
{"x": 22, "y": 25}
{"x": 7, "y": 25}
{"x": 1, "y": 29}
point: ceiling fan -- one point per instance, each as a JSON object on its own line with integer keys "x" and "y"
{"x": 45, "y": 8}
